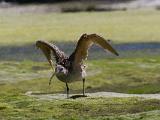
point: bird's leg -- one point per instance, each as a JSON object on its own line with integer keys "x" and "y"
{"x": 67, "y": 90}
{"x": 51, "y": 78}
{"x": 83, "y": 87}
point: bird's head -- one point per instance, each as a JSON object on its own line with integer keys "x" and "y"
{"x": 61, "y": 70}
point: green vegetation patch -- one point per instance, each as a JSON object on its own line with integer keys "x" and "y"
{"x": 127, "y": 75}
{"x": 120, "y": 26}
{"x": 17, "y": 106}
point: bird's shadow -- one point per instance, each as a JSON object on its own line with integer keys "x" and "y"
{"x": 77, "y": 96}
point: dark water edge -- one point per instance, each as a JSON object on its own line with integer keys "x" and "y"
{"x": 29, "y": 52}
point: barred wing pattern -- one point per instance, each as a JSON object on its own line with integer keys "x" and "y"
{"x": 49, "y": 49}
{"x": 84, "y": 43}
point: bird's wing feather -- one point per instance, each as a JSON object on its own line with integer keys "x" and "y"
{"x": 84, "y": 43}
{"x": 48, "y": 48}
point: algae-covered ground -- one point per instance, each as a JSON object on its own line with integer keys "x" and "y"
{"x": 126, "y": 75}
{"x": 136, "y": 75}
{"x": 135, "y": 35}
{"x": 21, "y": 107}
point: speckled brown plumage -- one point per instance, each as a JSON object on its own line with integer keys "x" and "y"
{"x": 69, "y": 69}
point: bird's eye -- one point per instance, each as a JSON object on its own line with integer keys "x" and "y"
{"x": 61, "y": 69}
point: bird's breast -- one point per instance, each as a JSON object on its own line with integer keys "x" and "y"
{"x": 72, "y": 76}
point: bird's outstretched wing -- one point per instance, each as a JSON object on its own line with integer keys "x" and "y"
{"x": 49, "y": 49}
{"x": 84, "y": 43}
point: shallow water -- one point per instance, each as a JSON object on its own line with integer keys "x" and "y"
{"x": 29, "y": 52}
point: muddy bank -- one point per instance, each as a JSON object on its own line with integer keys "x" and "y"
{"x": 89, "y": 95}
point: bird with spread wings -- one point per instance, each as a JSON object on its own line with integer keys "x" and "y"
{"x": 71, "y": 68}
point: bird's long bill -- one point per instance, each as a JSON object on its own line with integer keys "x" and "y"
{"x": 51, "y": 78}
{"x": 51, "y": 63}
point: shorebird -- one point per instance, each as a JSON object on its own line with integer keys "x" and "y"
{"x": 71, "y": 68}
